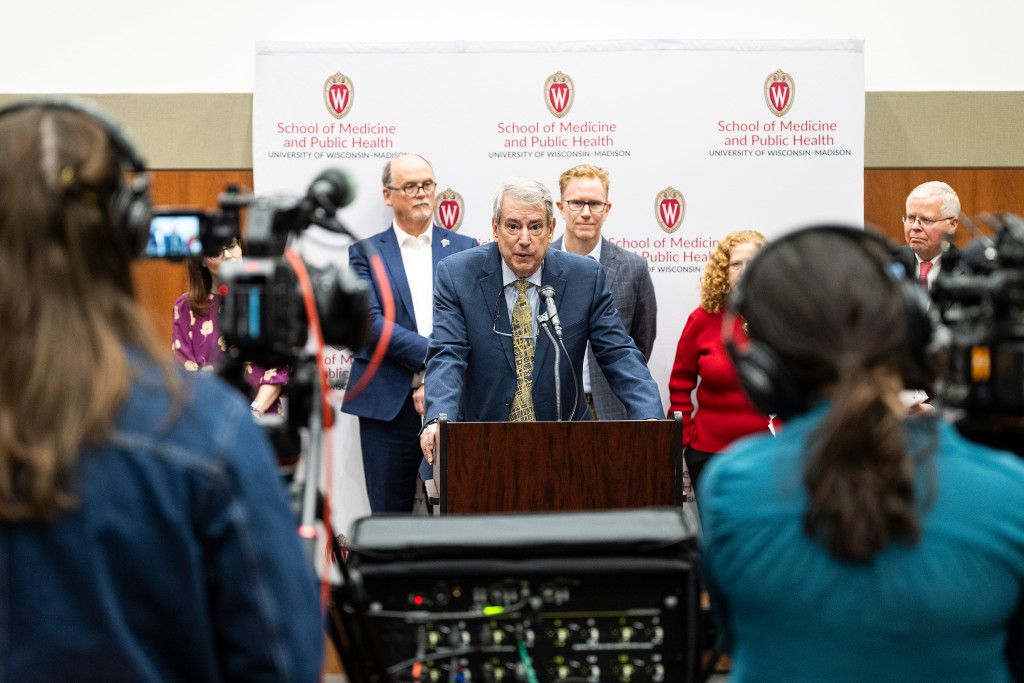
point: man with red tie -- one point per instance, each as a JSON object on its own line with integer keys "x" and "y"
{"x": 931, "y": 218}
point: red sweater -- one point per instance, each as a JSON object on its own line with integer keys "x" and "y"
{"x": 724, "y": 413}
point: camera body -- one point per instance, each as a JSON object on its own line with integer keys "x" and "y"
{"x": 263, "y": 315}
{"x": 263, "y": 312}
{"x": 978, "y": 349}
{"x": 266, "y": 302}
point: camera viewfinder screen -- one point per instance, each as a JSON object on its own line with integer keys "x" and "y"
{"x": 174, "y": 236}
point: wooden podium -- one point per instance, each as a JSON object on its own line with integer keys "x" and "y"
{"x": 547, "y": 466}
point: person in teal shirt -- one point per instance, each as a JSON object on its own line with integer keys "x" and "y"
{"x": 858, "y": 544}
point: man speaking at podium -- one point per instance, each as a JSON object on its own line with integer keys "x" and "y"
{"x": 490, "y": 358}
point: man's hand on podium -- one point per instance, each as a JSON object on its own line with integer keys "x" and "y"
{"x": 428, "y": 439}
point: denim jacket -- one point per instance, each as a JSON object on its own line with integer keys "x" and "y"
{"x": 181, "y": 563}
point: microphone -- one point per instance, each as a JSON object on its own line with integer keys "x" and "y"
{"x": 547, "y": 295}
{"x": 330, "y": 191}
{"x": 333, "y": 189}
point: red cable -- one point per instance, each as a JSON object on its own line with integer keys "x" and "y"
{"x": 314, "y": 325}
{"x": 313, "y": 316}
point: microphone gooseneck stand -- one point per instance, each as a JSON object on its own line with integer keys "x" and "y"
{"x": 542, "y": 320}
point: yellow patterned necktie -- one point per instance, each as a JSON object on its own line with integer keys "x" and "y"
{"x": 522, "y": 342}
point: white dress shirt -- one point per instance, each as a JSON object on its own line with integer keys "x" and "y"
{"x": 417, "y": 257}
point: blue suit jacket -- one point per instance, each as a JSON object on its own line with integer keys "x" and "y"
{"x": 384, "y": 396}
{"x": 471, "y": 370}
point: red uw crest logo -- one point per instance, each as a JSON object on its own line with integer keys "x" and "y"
{"x": 779, "y": 90}
{"x": 670, "y": 207}
{"x": 338, "y": 95}
{"x": 449, "y": 210}
{"x": 559, "y": 93}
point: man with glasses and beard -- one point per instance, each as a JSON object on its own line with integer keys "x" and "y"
{"x": 390, "y": 409}
{"x": 486, "y": 361}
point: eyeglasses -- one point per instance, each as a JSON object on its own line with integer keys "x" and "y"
{"x": 535, "y": 229}
{"x": 576, "y": 205}
{"x": 412, "y": 189}
{"x": 925, "y": 222}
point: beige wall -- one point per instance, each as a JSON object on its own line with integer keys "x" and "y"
{"x": 903, "y": 129}
{"x": 944, "y": 129}
{"x": 191, "y": 131}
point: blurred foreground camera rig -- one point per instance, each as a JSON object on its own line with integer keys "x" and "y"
{"x": 264, "y": 313}
{"x": 978, "y": 349}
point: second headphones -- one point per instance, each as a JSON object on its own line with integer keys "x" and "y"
{"x": 763, "y": 374}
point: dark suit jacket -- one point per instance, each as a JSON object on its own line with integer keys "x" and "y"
{"x": 407, "y": 351}
{"x": 905, "y": 255}
{"x": 629, "y": 278}
{"x": 471, "y": 370}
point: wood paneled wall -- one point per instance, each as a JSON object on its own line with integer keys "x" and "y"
{"x": 159, "y": 283}
{"x": 980, "y": 190}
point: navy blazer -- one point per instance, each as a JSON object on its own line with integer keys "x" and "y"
{"x": 471, "y": 369}
{"x": 384, "y": 396}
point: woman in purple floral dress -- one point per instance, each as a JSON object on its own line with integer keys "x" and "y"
{"x": 196, "y": 339}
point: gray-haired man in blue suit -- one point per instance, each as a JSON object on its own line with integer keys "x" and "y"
{"x": 472, "y": 359}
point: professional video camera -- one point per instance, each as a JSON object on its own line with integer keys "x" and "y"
{"x": 979, "y": 346}
{"x": 270, "y": 297}
{"x": 270, "y": 303}
{"x": 263, "y": 315}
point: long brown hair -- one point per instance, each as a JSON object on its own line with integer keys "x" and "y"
{"x": 823, "y": 301}
{"x": 67, "y": 308}
{"x": 200, "y": 285}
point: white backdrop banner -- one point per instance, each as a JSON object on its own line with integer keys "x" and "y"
{"x": 700, "y": 138}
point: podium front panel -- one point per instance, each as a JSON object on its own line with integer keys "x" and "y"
{"x": 547, "y": 466}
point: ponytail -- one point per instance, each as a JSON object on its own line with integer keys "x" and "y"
{"x": 858, "y": 476}
{"x": 838, "y": 323}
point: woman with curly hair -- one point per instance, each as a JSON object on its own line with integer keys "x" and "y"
{"x": 723, "y": 412}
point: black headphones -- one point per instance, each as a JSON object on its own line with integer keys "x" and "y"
{"x": 131, "y": 203}
{"x": 763, "y": 374}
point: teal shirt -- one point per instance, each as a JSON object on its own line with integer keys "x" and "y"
{"x": 936, "y": 611}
